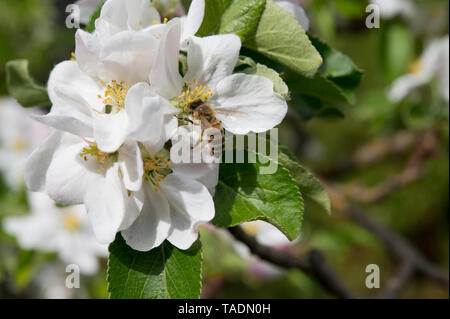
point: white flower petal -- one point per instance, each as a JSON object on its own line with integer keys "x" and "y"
{"x": 165, "y": 78}
{"x": 37, "y": 164}
{"x": 66, "y": 123}
{"x": 110, "y": 130}
{"x": 190, "y": 205}
{"x": 131, "y": 166}
{"x": 152, "y": 117}
{"x": 87, "y": 8}
{"x": 68, "y": 75}
{"x": 129, "y": 14}
{"x": 248, "y": 103}
{"x": 192, "y": 22}
{"x": 152, "y": 226}
{"x": 141, "y": 14}
{"x": 134, "y": 204}
{"x": 68, "y": 175}
{"x": 405, "y": 84}
{"x": 127, "y": 56}
{"x": 105, "y": 204}
{"x": 206, "y": 174}
{"x": 87, "y": 51}
{"x": 27, "y": 234}
{"x": 211, "y": 59}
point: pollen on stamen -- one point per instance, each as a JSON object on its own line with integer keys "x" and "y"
{"x": 114, "y": 95}
{"x": 156, "y": 169}
{"x": 193, "y": 92}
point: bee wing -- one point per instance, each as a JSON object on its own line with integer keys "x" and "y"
{"x": 231, "y": 113}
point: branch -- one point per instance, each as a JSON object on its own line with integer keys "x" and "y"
{"x": 373, "y": 152}
{"x": 399, "y": 246}
{"x": 313, "y": 264}
{"x": 412, "y": 172}
{"x": 398, "y": 281}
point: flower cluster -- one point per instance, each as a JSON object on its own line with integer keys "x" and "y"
{"x": 117, "y": 105}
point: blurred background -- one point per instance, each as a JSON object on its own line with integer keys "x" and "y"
{"x": 385, "y": 153}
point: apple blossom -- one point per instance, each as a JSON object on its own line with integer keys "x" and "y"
{"x": 432, "y": 64}
{"x": 244, "y": 103}
{"x": 65, "y": 231}
{"x": 19, "y": 136}
{"x": 178, "y": 198}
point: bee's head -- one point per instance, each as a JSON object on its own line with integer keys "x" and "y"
{"x": 194, "y": 105}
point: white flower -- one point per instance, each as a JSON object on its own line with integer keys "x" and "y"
{"x": 72, "y": 170}
{"x": 178, "y": 198}
{"x": 61, "y": 230}
{"x": 297, "y": 11}
{"x": 243, "y": 103}
{"x": 98, "y": 162}
{"x": 110, "y": 113}
{"x": 19, "y": 136}
{"x": 391, "y": 8}
{"x": 126, "y": 37}
{"x": 124, "y": 43}
{"x": 434, "y": 63}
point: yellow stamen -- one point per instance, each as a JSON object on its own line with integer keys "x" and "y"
{"x": 415, "y": 67}
{"x": 19, "y": 144}
{"x": 156, "y": 169}
{"x": 71, "y": 222}
{"x": 114, "y": 95}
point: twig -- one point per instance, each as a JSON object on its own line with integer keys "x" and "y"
{"x": 398, "y": 281}
{"x": 313, "y": 264}
{"x": 373, "y": 152}
{"x": 399, "y": 247}
{"x": 412, "y": 172}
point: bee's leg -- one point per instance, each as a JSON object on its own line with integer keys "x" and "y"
{"x": 185, "y": 119}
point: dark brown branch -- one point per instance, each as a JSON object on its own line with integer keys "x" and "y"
{"x": 374, "y": 152}
{"x": 399, "y": 247}
{"x": 398, "y": 281}
{"x": 313, "y": 264}
{"x": 412, "y": 172}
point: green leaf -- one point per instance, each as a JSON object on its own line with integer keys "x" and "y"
{"x": 337, "y": 67}
{"x": 319, "y": 87}
{"x": 278, "y": 84}
{"x": 281, "y": 38}
{"x": 90, "y": 27}
{"x": 161, "y": 273}
{"x": 22, "y": 87}
{"x": 240, "y": 17}
{"x": 243, "y": 63}
{"x": 310, "y": 187}
{"x": 332, "y": 86}
{"x": 244, "y": 194}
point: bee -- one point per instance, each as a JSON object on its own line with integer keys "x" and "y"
{"x": 201, "y": 111}
{"x": 204, "y": 113}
